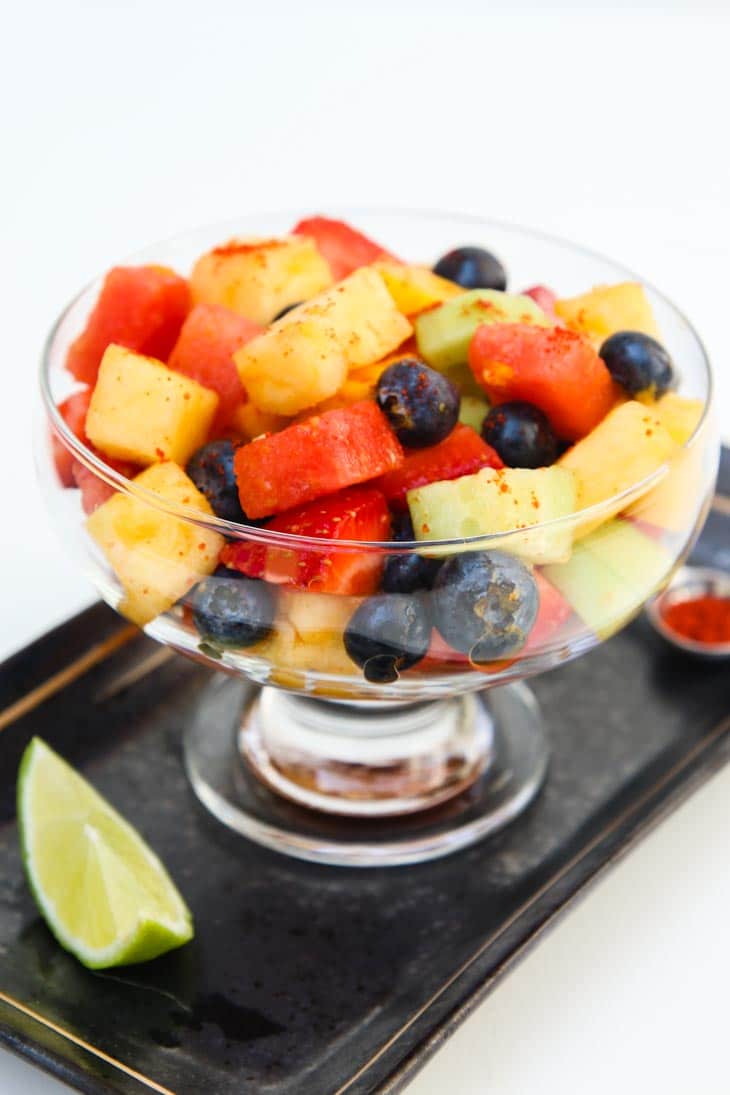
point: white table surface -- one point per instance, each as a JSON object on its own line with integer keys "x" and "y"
{"x": 123, "y": 123}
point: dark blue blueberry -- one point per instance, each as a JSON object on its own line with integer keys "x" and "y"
{"x": 484, "y": 604}
{"x": 402, "y": 528}
{"x": 288, "y": 308}
{"x": 211, "y": 469}
{"x": 638, "y": 363}
{"x": 386, "y": 634}
{"x": 522, "y": 435}
{"x": 408, "y": 572}
{"x": 233, "y": 611}
{"x": 472, "y": 268}
{"x": 421, "y": 405}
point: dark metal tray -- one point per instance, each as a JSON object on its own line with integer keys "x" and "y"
{"x": 307, "y": 980}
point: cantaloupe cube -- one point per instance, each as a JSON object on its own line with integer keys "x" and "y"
{"x": 305, "y": 356}
{"x": 628, "y": 445}
{"x": 414, "y": 288}
{"x": 156, "y": 557}
{"x": 259, "y": 277}
{"x": 142, "y": 411}
{"x": 606, "y": 309}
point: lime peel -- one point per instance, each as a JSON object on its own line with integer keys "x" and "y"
{"x": 100, "y": 888}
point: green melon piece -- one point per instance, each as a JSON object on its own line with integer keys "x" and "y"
{"x": 610, "y": 575}
{"x": 473, "y": 410}
{"x": 443, "y": 334}
{"x": 508, "y": 500}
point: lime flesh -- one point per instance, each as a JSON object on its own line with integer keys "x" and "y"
{"x": 102, "y": 891}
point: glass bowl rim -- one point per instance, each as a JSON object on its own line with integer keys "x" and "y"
{"x": 263, "y": 535}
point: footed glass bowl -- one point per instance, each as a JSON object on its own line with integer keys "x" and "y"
{"x": 298, "y": 747}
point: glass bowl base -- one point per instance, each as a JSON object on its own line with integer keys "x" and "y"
{"x": 475, "y": 763}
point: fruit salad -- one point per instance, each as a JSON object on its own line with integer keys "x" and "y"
{"x": 320, "y": 457}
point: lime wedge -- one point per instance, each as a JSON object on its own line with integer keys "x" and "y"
{"x": 102, "y": 891}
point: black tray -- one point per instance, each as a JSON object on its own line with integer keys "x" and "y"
{"x": 307, "y": 980}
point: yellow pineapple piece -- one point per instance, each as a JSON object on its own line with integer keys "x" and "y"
{"x": 414, "y": 288}
{"x": 607, "y": 309}
{"x": 304, "y": 357}
{"x": 308, "y": 633}
{"x": 679, "y": 415}
{"x": 251, "y": 422}
{"x": 142, "y": 411}
{"x": 629, "y": 444}
{"x": 259, "y": 277}
{"x": 156, "y": 557}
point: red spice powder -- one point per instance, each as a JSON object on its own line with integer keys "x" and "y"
{"x": 704, "y": 619}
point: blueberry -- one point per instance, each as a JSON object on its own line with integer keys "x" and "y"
{"x": 485, "y": 603}
{"x": 233, "y": 611}
{"x": 402, "y": 527}
{"x": 472, "y": 268}
{"x": 287, "y": 308}
{"x": 638, "y": 363}
{"x": 421, "y": 405}
{"x": 410, "y": 571}
{"x": 211, "y": 469}
{"x": 522, "y": 435}
{"x": 386, "y": 634}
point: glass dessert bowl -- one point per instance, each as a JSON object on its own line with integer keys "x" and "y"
{"x": 373, "y": 640}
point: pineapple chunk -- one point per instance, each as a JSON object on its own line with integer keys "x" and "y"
{"x": 251, "y": 422}
{"x": 414, "y": 288}
{"x": 142, "y": 411}
{"x": 259, "y": 277}
{"x": 680, "y": 416}
{"x": 607, "y": 309}
{"x": 308, "y": 632}
{"x": 156, "y": 557}
{"x": 305, "y": 356}
{"x": 629, "y": 444}
{"x": 507, "y": 500}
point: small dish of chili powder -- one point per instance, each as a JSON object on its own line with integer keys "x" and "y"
{"x": 693, "y": 613}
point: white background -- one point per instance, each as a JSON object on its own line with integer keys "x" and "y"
{"x": 126, "y": 122}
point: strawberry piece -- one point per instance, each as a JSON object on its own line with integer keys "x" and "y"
{"x": 139, "y": 307}
{"x": 344, "y": 248}
{"x": 360, "y": 513}
{"x": 461, "y": 453}
{"x": 319, "y": 456}
{"x": 204, "y": 351}
{"x": 552, "y": 367}
{"x": 73, "y": 411}
{"x": 544, "y": 298}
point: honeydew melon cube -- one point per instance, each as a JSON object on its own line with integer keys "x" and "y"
{"x": 443, "y": 334}
{"x": 156, "y": 556}
{"x": 503, "y": 501}
{"x": 610, "y": 575}
{"x": 473, "y": 410}
{"x": 144, "y": 412}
